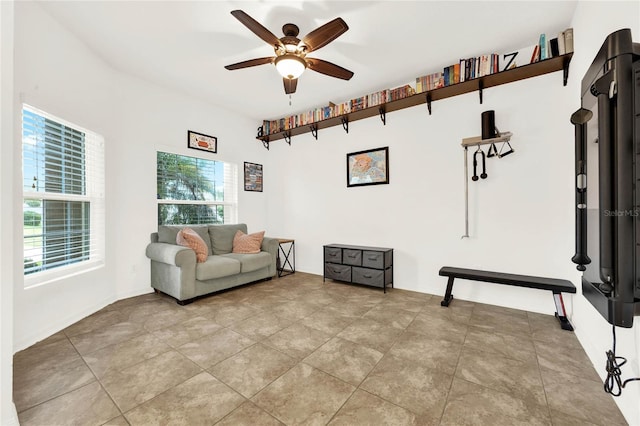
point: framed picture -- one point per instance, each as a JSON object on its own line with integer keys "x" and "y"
{"x": 369, "y": 167}
{"x": 252, "y": 177}
{"x": 202, "y": 142}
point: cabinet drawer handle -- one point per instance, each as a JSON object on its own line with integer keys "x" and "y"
{"x": 373, "y": 258}
{"x": 352, "y": 255}
{"x": 367, "y": 276}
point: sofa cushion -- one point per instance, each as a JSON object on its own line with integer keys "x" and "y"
{"x": 243, "y": 243}
{"x": 187, "y": 237}
{"x": 217, "y": 267}
{"x": 222, "y": 237}
{"x": 250, "y": 262}
{"x": 169, "y": 233}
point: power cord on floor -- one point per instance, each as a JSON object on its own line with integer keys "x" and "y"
{"x": 614, "y": 384}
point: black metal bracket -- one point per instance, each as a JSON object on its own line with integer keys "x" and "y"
{"x": 383, "y": 115}
{"x": 345, "y": 123}
{"x": 265, "y": 143}
{"x": 287, "y": 137}
{"x": 314, "y": 130}
{"x": 565, "y": 70}
{"x": 480, "y": 88}
{"x": 429, "y": 102}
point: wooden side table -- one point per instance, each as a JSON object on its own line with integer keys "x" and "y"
{"x": 287, "y": 247}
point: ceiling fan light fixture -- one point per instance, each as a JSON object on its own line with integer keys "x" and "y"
{"x": 290, "y": 66}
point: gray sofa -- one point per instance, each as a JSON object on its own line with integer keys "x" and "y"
{"x": 174, "y": 270}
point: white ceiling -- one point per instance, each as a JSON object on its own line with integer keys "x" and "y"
{"x": 185, "y": 45}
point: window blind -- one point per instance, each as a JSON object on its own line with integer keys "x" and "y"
{"x": 63, "y": 191}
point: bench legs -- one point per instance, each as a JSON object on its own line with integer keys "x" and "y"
{"x": 448, "y": 297}
{"x": 561, "y": 314}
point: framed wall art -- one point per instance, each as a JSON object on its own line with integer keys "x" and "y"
{"x": 369, "y": 167}
{"x": 252, "y": 177}
{"x": 202, "y": 142}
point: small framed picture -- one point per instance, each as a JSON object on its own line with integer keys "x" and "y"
{"x": 369, "y": 167}
{"x": 202, "y": 142}
{"x": 252, "y": 177}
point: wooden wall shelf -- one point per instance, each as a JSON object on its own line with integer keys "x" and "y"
{"x": 546, "y": 66}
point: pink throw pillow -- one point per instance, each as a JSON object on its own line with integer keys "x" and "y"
{"x": 187, "y": 237}
{"x": 247, "y": 243}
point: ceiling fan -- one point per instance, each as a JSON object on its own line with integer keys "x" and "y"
{"x": 291, "y": 52}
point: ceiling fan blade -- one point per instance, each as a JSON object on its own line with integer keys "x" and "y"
{"x": 325, "y": 67}
{"x": 250, "y": 63}
{"x": 325, "y": 34}
{"x": 257, "y": 28}
{"x": 290, "y": 85}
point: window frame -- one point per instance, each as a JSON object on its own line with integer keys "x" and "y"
{"x": 230, "y": 177}
{"x": 94, "y": 195}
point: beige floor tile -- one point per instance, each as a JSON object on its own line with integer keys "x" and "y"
{"x": 260, "y": 326}
{"x": 248, "y": 414}
{"x": 500, "y": 320}
{"x": 508, "y": 345}
{"x": 88, "y": 342}
{"x": 327, "y": 321}
{"x": 304, "y": 395}
{"x": 371, "y": 333}
{"x": 294, "y": 310}
{"x": 199, "y": 400}
{"x": 345, "y": 360}
{"x": 519, "y": 378}
{"x": 395, "y": 317}
{"x": 187, "y": 331}
{"x": 297, "y": 340}
{"x": 118, "y": 421}
{"x": 49, "y": 378}
{"x": 87, "y": 405}
{"x": 125, "y": 354}
{"x": 44, "y": 355}
{"x": 580, "y": 398}
{"x": 416, "y": 388}
{"x": 438, "y": 328}
{"x": 562, "y": 419}
{"x": 546, "y": 328}
{"x": 210, "y": 350}
{"x": 227, "y": 315}
{"x": 251, "y": 370}
{"x": 441, "y": 355}
{"x": 96, "y": 321}
{"x": 141, "y": 382}
{"x": 565, "y": 360}
{"x": 167, "y": 318}
{"x": 458, "y": 310}
{"x": 472, "y": 404}
{"x": 364, "y": 408}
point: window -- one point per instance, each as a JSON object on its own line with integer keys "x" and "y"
{"x": 193, "y": 190}
{"x": 63, "y": 197}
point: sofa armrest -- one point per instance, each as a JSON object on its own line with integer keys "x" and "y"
{"x": 270, "y": 245}
{"x": 171, "y": 254}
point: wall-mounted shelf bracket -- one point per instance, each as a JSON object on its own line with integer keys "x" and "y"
{"x": 287, "y": 137}
{"x": 565, "y": 70}
{"x": 429, "y": 102}
{"x": 265, "y": 143}
{"x": 480, "y": 88}
{"x": 314, "y": 131}
{"x": 345, "y": 123}
{"x": 383, "y": 115}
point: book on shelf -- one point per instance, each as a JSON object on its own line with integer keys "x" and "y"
{"x": 535, "y": 56}
{"x": 568, "y": 40}
{"x": 554, "y": 47}
{"x": 543, "y": 47}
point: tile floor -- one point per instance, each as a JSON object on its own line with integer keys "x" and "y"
{"x": 296, "y": 351}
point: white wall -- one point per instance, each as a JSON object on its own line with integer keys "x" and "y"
{"x": 8, "y": 415}
{"x": 592, "y": 22}
{"x": 521, "y": 217}
{"x": 58, "y": 74}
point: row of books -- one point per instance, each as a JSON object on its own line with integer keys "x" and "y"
{"x": 465, "y": 69}
{"x": 336, "y": 110}
{"x": 552, "y": 47}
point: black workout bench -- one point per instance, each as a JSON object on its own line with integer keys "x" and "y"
{"x": 557, "y": 286}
